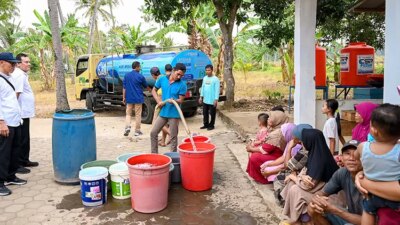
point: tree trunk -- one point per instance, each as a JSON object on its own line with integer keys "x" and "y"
{"x": 46, "y": 76}
{"x": 61, "y": 92}
{"x": 92, "y": 26}
{"x": 60, "y": 12}
{"x": 227, "y": 28}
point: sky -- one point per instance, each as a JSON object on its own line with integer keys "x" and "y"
{"x": 126, "y": 13}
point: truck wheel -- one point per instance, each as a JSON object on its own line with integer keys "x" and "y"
{"x": 147, "y": 111}
{"x": 190, "y": 113}
{"x": 89, "y": 101}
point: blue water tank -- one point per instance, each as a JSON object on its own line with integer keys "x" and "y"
{"x": 73, "y": 143}
{"x": 112, "y": 69}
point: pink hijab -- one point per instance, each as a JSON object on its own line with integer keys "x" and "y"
{"x": 361, "y": 130}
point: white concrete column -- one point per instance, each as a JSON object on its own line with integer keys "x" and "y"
{"x": 392, "y": 49}
{"x": 304, "y": 61}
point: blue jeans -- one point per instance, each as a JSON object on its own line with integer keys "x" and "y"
{"x": 336, "y": 220}
{"x": 373, "y": 203}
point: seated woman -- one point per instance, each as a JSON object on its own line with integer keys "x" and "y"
{"x": 319, "y": 169}
{"x": 269, "y": 169}
{"x": 293, "y": 162}
{"x": 270, "y": 150}
{"x": 363, "y": 120}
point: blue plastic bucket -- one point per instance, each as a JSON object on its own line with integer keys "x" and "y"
{"x": 93, "y": 186}
{"x": 126, "y": 156}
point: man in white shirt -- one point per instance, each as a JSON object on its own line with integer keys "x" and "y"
{"x": 26, "y": 101}
{"x": 10, "y": 129}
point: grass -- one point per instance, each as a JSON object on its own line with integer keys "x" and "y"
{"x": 46, "y": 100}
{"x": 257, "y": 83}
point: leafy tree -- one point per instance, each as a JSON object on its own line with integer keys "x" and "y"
{"x": 130, "y": 37}
{"x": 39, "y": 41}
{"x": 227, "y": 12}
{"x": 62, "y": 100}
{"x": 7, "y": 31}
{"x": 334, "y": 22}
{"x": 7, "y": 9}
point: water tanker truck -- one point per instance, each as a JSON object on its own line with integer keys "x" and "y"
{"x": 99, "y": 78}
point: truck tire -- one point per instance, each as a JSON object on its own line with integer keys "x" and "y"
{"x": 147, "y": 111}
{"x": 190, "y": 113}
{"x": 89, "y": 101}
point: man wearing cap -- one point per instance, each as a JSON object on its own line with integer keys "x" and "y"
{"x": 10, "y": 129}
{"x": 173, "y": 88}
{"x": 324, "y": 212}
{"x": 26, "y": 101}
{"x": 133, "y": 84}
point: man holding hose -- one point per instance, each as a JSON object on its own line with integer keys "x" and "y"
{"x": 173, "y": 88}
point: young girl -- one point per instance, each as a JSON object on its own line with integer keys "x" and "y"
{"x": 263, "y": 131}
{"x": 330, "y": 130}
{"x": 381, "y": 158}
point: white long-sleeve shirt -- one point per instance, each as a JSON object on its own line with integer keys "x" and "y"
{"x": 9, "y": 108}
{"x": 26, "y": 99}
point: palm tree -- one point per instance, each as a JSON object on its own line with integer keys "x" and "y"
{"x": 7, "y": 31}
{"x": 40, "y": 40}
{"x": 133, "y": 36}
{"x": 61, "y": 92}
{"x": 94, "y": 9}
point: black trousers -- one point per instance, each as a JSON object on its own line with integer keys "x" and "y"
{"x": 209, "y": 110}
{"x": 10, "y": 154}
{"x": 25, "y": 142}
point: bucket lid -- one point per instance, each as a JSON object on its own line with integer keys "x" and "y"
{"x": 74, "y": 114}
{"x": 93, "y": 173}
{"x": 119, "y": 169}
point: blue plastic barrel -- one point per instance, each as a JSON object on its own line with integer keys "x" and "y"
{"x": 73, "y": 142}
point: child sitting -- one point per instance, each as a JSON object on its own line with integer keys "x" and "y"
{"x": 381, "y": 159}
{"x": 262, "y": 132}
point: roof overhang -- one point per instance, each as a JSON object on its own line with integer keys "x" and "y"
{"x": 369, "y": 6}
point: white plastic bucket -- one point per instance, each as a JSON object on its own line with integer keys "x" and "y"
{"x": 93, "y": 186}
{"x": 120, "y": 186}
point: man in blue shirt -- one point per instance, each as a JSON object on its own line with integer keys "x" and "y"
{"x": 173, "y": 88}
{"x": 209, "y": 95}
{"x": 134, "y": 82}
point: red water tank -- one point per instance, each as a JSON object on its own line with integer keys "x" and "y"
{"x": 320, "y": 67}
{"x": 356, "y": 63}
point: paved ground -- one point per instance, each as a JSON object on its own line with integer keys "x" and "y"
{"x": 233, "y": 199}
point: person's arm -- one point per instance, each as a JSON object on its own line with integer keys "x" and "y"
{"x": 201, "y": 93}
{"x": 155, "y": 95}
{"x": 277, "y": 162}
{"x": 344, "y": 214}
{"x": 385, "y": 189}
{"x": 332, "y": 145}
{"x": 3, "y": 126}
{"x": 124, "y": 96}
{"x": 216, "y": 94}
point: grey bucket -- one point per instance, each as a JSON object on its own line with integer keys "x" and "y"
{"x": 176, "y": 173}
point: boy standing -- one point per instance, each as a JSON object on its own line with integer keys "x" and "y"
{"x": 209, "y": 95}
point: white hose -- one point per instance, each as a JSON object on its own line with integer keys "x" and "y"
{"x": 157, "y": 111}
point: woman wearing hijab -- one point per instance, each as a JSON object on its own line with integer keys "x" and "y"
{"x": 270, "y": 150}
{"x": 363, "y": 119}
{"x": 319, "y": 169}
{"x": 293, "y": 162}
{"x": 269, "y": 169}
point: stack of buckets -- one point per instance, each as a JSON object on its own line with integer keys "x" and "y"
{"x": 146, "y": 185}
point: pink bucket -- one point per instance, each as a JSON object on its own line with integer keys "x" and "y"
{"x": 149, "y": 179}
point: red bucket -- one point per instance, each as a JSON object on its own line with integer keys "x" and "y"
{"x": 197, "y": 166}
{"x": 149, "y": 179}
{"x": 199, "y": 138}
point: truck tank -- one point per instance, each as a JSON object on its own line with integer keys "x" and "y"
{"x": 112, "y": 69}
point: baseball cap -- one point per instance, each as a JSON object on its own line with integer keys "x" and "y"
{"x": 9, "y": 57}
{"x": 350, "y": 144}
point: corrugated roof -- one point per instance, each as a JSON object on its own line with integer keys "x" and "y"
{"x": 369, "y": 6}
